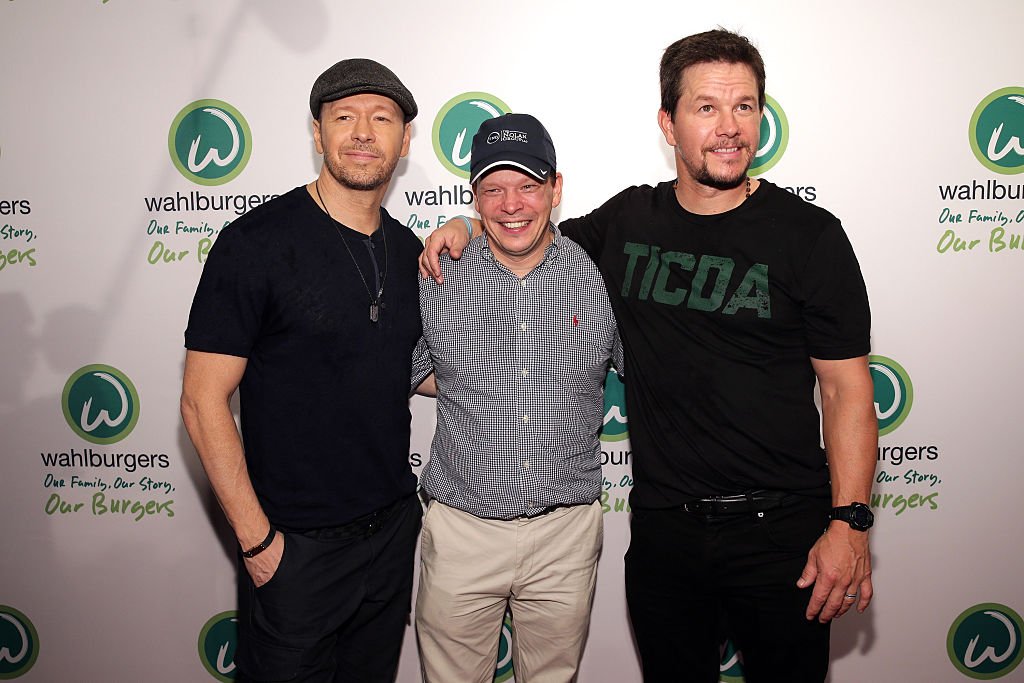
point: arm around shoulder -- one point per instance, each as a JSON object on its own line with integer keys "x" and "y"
{"x": 450, "y": 238}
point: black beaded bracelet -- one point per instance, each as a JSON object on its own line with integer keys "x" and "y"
{"x": 260, "y": 547}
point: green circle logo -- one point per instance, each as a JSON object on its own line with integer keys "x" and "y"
{"x": 210, "y": 142}
{"x": 996, "y": 130}
{"x": 730, "y": 669}
{"x": 19, "y": 643}
{"x": 217, "y": 644}
{"x": 100, "y": 403}
{"x": 985, "y": 641}
{"x": 503, "y": 672}
{"x": 894, "y": 393}
{"x": 774, "y": 137}
{"x": 457, "y": 123}
{"x": 616, "y": 423}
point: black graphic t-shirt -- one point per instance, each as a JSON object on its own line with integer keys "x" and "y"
{"x": 324, "y": 398}
{"x": 719, "y": 316}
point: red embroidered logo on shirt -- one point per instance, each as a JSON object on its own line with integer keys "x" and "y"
{"x": 575, "y": 322}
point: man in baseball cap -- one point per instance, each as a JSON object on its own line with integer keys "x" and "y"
{"x": 514, "y": 140}
{"x": 514, "y": 476}
{"x": 308, "y": 306}
{"x": 740, "y": 517}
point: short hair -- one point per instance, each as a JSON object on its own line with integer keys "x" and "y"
{"x": 711, "y": 46}
{"x": 550, "y": 180}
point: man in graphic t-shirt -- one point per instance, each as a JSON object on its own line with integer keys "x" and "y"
{"x": 733, "y": 298}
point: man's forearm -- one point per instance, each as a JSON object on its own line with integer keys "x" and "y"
{"x": 212, "y": 429}
{"x": 450, "y": 238}
{"x": 851, "y": 443}
{"x": 473, "y": 226}
{"x": 839, "y": 564}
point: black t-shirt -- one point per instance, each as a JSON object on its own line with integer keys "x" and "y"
{"x": 324, "y": 398}
{"x": 719, "y": 316}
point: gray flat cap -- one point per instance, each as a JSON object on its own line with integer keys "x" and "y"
{"x": 355, "y": 76}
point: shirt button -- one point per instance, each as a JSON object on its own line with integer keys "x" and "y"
{"x": 526, "y": 418}
{"x": 526, "y": 372}
{"x": 522, "y": 283}
{"x": 526, "y": 464}
{"x": 523, "y": 326}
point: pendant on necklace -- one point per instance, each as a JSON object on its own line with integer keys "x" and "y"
{"x": 374, "y": 312}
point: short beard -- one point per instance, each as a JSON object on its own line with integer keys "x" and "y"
{"x": 702, "y": 174}
{"x": 361, "y": 181}
{"x": 704, "y": 177}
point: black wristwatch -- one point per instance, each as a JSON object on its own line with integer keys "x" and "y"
{"x": 857, "y": 515}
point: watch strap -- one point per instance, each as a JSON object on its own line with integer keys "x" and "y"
{"x": 845, "y": 513}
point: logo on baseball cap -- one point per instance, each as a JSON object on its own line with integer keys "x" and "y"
{"x": 517, "y": 140}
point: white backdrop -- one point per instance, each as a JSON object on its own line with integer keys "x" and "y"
{"x": 879, "y": 103}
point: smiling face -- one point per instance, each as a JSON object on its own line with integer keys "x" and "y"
{"x": 361, "y": 138}
{"x": 716, "y": 124}
{"x": 515, "y": 210}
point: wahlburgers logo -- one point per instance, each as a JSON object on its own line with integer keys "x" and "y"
{"x": 217, "y": 643}
{"x": 894, "y": 393}
{"x": 457, "y": 123}
{"x": 19, "y": 643}
{"x": 616, "y": 423}
{"x": 503, "y": 672}
{"x": 996, "y": 130}
{"x": 984, "y": 642}
{"x": 209, "y": 142}
{"x": 774, "y": 137}
{"x": 730, "y": 669}
{"x": 100, "y": 404}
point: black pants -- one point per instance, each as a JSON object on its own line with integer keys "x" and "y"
{"x": 693, "y": 580}
{"x": 337, "y": 607}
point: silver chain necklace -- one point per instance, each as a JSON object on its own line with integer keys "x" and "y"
{"x": 375, "y": 304}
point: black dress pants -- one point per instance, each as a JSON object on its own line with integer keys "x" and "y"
{"x": 337, "y": 607}
{"x": 693, "y": 581}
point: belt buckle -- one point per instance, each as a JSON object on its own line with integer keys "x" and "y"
{"x": 736, "y": 498}
{"x": 698, "y": 507}
{"x": 714, "y": 506}
{"x": 376, "y": 519}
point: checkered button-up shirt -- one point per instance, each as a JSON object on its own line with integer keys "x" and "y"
{"x": 520, "y": 366}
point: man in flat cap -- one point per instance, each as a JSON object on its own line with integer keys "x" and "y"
{"x": 308, "y": 305}
{"x": 515, "y": 466}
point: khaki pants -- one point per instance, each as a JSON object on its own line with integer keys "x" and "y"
{"x": 544, "y": 568}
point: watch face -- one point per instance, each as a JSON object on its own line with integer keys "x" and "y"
{"x": 861, "y": 516}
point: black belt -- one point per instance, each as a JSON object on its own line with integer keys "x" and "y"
{"x": 425, "y": 498}
{"x": 549, "y": 509}
{"x": 366, "y": 525}
{"x": 755, "y": 501}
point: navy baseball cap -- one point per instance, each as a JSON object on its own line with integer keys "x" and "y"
{"x": 516, "y": 140}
